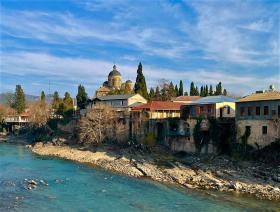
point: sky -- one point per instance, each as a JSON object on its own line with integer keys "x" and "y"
{"x": 56, "y": 45}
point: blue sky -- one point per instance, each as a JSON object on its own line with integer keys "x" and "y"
{"x": 65, "y": 43}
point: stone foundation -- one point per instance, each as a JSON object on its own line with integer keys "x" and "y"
{"x": 257, "y": 135}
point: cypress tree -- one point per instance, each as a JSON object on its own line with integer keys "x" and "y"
{"x": 43, "y": 96}
{"x": 211, "y": 90}
{"x": 201, "y": 91}
{"x": 56, "y": 101}
{"x": 192, "y": 90}
{"x": 140, "y": 86}
{"x": 152, "y": 93}
{"x": 219, "y": 89}
{"x": 157, "y": 94}
{"x": 172, "y": 91}
{"x": 68, "y": 102}
{"x": 196, "y": 91}
{"x": 186, "y": 93}
{"x": 206, "y": 90}
{"x": 19, "y": 104}
{"x": 225, "y": 92}
{"x": 181, "y": 89}
{"x": 81, "y": 97}
{"x": 176, "y": 90}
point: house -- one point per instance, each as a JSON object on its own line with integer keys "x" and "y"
{"x": 185, "y": 99}
{"x": 259, "y": 115}
{"x": 158, "y": 109}
{"x": 18, "y": 118}
{"x": 158, "y": 118}
{"x": 210, "y": 106}
{"x": 221, "y": 108}
{"x": 121, "y": 103}
{"x": 17, "y": 121}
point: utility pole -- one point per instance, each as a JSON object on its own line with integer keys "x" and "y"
{"x": 49, "y": 87}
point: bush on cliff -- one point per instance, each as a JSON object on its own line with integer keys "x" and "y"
{"x": 268, "y": 154}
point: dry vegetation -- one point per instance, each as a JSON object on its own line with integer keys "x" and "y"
{"x": 39, "y": 114}
{"x": 100, "y": 125}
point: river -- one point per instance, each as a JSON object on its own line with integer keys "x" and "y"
{"x": 76, "y": 187}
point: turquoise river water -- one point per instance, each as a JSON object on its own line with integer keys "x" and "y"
{"x": 76, "y": 187}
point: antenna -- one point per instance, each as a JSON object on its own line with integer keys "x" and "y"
{"x": 49, "y": 87}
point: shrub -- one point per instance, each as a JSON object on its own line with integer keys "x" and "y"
{"x": 150, "y": 139}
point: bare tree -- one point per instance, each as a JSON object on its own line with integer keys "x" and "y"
{"x": 6, "y": 110}
{"x": 98, "y": 125}
{"x": 39, "y": 113}
{"x": 9, "y": 99}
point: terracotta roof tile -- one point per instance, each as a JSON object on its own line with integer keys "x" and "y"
{"x": 186, "y": 98}
{"x": 266, "y": 96}
{"x": 24, "y": 114}
{"x": 159, "y": 105}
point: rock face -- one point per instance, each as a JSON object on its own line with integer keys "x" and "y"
{"x": 220, "y": 174}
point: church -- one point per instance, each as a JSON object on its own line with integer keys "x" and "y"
{"x": 114, "y": 83}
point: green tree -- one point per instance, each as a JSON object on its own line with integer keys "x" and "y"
{"x": 82, "y": 97}
{"x": 192, "y": 90}
{"x": 157, "y": 93}
{"x": 186, "y": 93}
{"x": 140, "y": 86}
{"x": 19, "y": 104}
{"x": 152, "y": 93}
{"x": 56, "y": 101}
{"x": 206, "y": 92}
{"x": 181, "y": 88}
{"x": 201, "y": 91}
{"x": 176, "y": 90}
{"x": 219, "y": 89}
{"x": 68, "y": 102}
{"x": 225, "y": 92}
{"x": 196, "y": 91}
{"x": 43, "y": 96}
{"x": 211, "y": 92}
{"x": 171, "y": 90}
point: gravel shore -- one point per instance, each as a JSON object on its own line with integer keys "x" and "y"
{"x": 193, "y": 172}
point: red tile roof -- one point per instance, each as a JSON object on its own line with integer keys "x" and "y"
{"x": 159, "y": 105}
{"x": 186, "y": 98}
{"x": 24, "y": 114}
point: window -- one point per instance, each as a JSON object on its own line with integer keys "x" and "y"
{"x": 273, "y": 112}
{"x": 201, "y": 109}
{"x": 258, "y": 111}
{"x": 279, "y": 111}
{"x": 248, "y": 130}
{"x": 209, "y": 109}
{"x": 228, "y": 109}
{"x": 266, "y": 111}
{"x": 264, "y": 130}
{"x": 250, "y": 111}
{"x": 242, "y": 111}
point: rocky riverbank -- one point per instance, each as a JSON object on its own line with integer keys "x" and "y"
{"x": 220, "y": 173}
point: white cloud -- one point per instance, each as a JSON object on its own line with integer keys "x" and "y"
{"x": 64, "y": 28}
{"x": 93, "y": 72}
{"x": 260, "y": 26}
{"x": 217, "y": 31}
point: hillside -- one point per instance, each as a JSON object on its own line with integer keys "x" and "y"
{"x": 28, "y": 98}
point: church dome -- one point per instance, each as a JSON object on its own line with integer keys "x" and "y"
{"x": 114, "y": 72}
{"x": 128, "y": 81}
